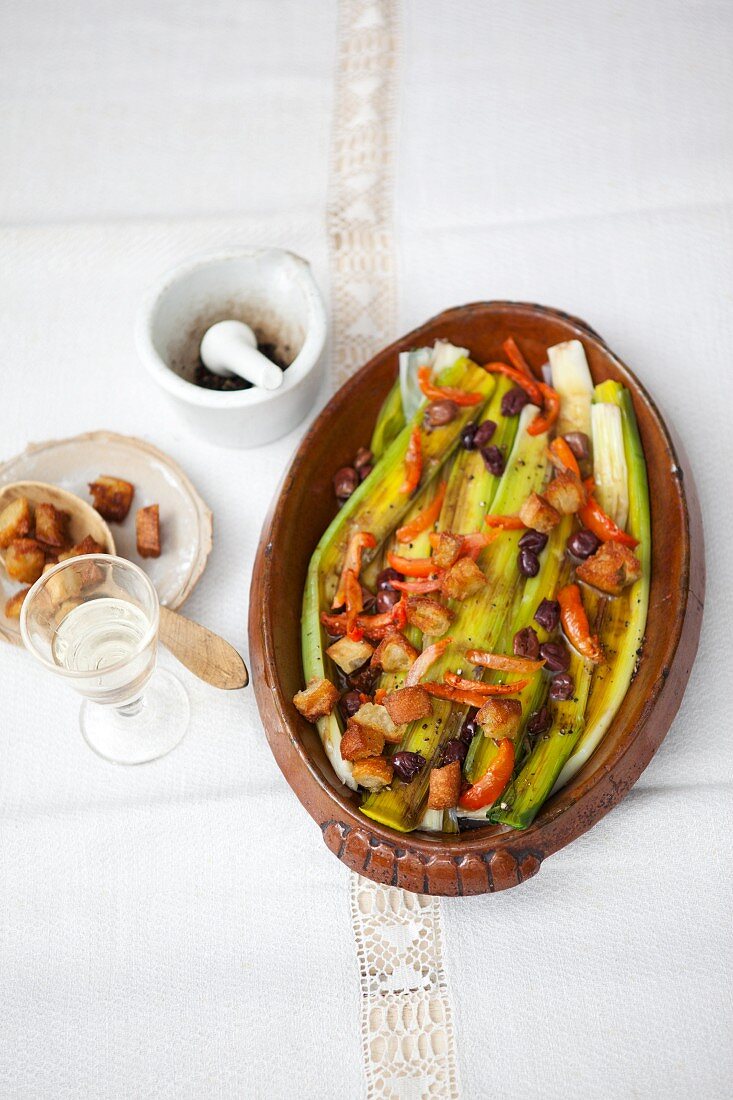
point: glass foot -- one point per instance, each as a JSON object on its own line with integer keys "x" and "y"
{"x": 144, "y": 730}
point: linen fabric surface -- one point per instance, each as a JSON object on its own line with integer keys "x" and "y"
{"x": 180, "y": 930}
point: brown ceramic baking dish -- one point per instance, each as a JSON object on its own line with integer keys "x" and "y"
{"x": 493, "y": 857}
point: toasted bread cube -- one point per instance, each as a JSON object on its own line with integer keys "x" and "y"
{"x": 112, "y": 497}
{"x": 317, "y": 699}
{"x": 445, "y": 786}
{"x": 52, "y": 525}
{"x": 14, "y": 604}
{"x": 360, "y": 742}
{"x": 65, "y": 585}
{"x": 611, "y": 568}
{"x": 537, "y": 513}
{"x": 448, "y": 550}
{"x": 24, "y": 560}
{"x": 376, "y": 717}
{"x": 428, "y": 615}
{"x": 463, "y": 579}
{"x": 394, "y": 653}
{"x": 66, "y": 608}
{"x": 565, "y": 493}
{"x": 147, "y": 531}
{"x": 373, "y": 773}
{"x": 349, "y": 655}
{"x": 88, "y": 545}
{"x": 15, "y": 521}
{"x": 500, "y": 718}
{"x": 408, "y": 704}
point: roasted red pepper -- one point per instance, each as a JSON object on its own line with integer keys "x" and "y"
{"x": 354, "y": 600}
{"x": 603, "y": 527}
{"x": 575, "y": 624}
{"x": 419, "y": 587}
{"x": 515, "y": 356}
{"x": 550, "y": 411}
{"x": 359, "y": 541}
{"x": 532, "y": 388}
{"x": 445, "y": 393}
{"x": 503, "y": 663}
{"x": 562, "y": 456}
{"x": 506, "y": 523}
{"x": 453, "y": 694}
{"x": 411, "y": 567}
{"x": 494, "y": 780}
{"x": 413, "y": 463}
{"x": 462, "y": 683}
{"x": 373, "y": 627}
{"x": 423, "y": 519}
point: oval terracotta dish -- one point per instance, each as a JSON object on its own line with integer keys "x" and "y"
{"x": 493, "y": 857}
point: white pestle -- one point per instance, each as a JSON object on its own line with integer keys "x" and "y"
{"x": 230, "y": 347}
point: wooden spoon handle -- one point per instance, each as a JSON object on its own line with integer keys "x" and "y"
{"x": 202, "y": 652}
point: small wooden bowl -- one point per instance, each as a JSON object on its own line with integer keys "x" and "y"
{"x": 489, "y": 858}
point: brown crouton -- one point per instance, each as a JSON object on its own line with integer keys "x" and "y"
{"x": 500, "y": 718}
{"x": 349, "y": 654}
{"x": 463, "y": 579}
{"x": 52, "y": 525}
{"x": 611, "y": 568}
{"x": 112, "y": 497}
{"x": 428, "y": 615}
{"x": 15, "y": 521}
{"x": 64, "y": 585}
{"x": 537, "y": 513}
{"x": 317, "y": 699}
{"x": 394, "y": 653}
{"x": 373, "y": 773}
{"x": 565, "y": 493}
{"x": 360, "y": 742}
{"x": 147, "y": 531}
{"x": 447, "y": 550}
{"x": 24, "y": 560}
{"x": 14, "y": 604}
{"x": 407, "y": 704}
{"x": 88, "y": 545}
{"x": 445, "y": 786}
{"x": 376, "y": 717}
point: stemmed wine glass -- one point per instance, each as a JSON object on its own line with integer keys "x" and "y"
{"x": 94, "y": 621}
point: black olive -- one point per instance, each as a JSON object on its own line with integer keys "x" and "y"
{"x": 579, "y": 444}
{"x": 345, "y": 482}
{"x": 583, "y": 543}
{"x": 468, "y": 729}
{"x": 548, "y": 615}
{"x": 364, "y": 457}
{"x": 493, "y": 460}
{"x": 455, "y": 749}
{"x": 529, "y": 563}
{"x": 526, "y": 643}
{"x": 439, "y": 413}
{"x": 533, "y": 540}
{"x": 407, "y": 764}
{"x": 513, "y": 401}
{"x": 562, "y": 687}
{"x": 539, "y": 722}
{"x": 556, "y": 657}
{"x": 349, "y": 704}
{"x": 468, "y": 435}
{"x": 386, "y": 599}
{"x": 386, "y": 577}
{"x": 484, "y": 432}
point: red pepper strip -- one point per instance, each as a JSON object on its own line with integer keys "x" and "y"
{"x": 420, "y": 587}
{"x": 494, "y": 780}
{"x": 445, "y": 393}
{"x": 428, "y": 657}
{"x": 550, "y": 411}
{"x": 354, "y": 604}
{"x": 373, "y": 627}
{"x": 475, "y": 543}
{"x": 515, "y": 356}
{"x": 593, "y": 517}
{"x": 562, "y": 456}
{"x": 412, "y": 567}
{"x": 413, "y": 463}
{"x": 530, "y": 387}
{"x": 452, "y": 694}
{"x": 506, "y": 523}
{"x": 423, "y": 519}
{"x": 379, "y": 695}
{"x": 359, "y": 541}
{"x": 575, "y": 624}
{"x": 502, "y": 663}
{"x": 480, "y": 688}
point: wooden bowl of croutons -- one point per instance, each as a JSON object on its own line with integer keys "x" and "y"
{"x": 487, "y": 857}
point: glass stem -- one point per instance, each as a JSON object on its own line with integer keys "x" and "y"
{"x": 129, "y": 710}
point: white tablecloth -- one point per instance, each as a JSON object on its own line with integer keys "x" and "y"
{"x": 180, "y": 929}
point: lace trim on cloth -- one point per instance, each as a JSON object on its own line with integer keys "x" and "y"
{"x": 406, "y": 1015}
{"x": 360, "y": 193}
